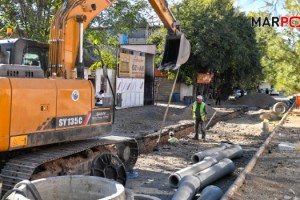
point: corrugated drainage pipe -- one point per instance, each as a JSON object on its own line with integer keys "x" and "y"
{"x": 189, "y": 185}
{"x": 211, "y": 192}
{"x": 191, "y": 170}
{"x": 232, "y": 152}
{"x": 197, "y": 157}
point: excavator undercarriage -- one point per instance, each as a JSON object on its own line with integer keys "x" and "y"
{"x": 111, "y": 157}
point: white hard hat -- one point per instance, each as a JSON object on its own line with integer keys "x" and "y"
{"x": 171, "y": 133}
{"x": 199, "y": 97}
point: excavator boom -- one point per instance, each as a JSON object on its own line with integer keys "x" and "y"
{"x": 71, "y": 20}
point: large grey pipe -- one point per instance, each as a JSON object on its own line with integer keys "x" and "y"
{"x": 232, "y": 152}
{"x": 191, "y": 170}
{"x": 189, "y": 185}
{"x": 197, "y": 157}
{"x": 209, "y": 175}
{"x": 211, "y": 192}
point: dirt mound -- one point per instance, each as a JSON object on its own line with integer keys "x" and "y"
{"x": 271, "y": 116}
{"x": 257, "y": 100}
{"x": 186, "y": 113}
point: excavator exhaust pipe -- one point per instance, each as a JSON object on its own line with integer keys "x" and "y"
{"x": 177, "y": 52}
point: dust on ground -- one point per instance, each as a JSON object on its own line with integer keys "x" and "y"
{"x": 277, "y": 173}
{"x": 148, "y": 119}
{"x": 154, "y": 168}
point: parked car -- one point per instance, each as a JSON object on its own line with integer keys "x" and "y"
{"x": 274, "y": 93}
{"x": 238, "y": 93}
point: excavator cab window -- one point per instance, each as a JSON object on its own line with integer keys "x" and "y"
{"x": 31, "y": 59}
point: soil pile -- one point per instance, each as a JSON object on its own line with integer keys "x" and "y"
{"x": 186, "y": 113}
{"x": 256, "y": 100}
{"x": 271, "y": 116}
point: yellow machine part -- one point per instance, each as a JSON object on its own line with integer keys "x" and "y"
{"x": 5, "y": 93}
{"x": 33, "y": 101}
{"x": 68, "y": 106}
{"x": 37, "y": 112}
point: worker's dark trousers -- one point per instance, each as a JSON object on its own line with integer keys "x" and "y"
{"x": 202, "y": 125}
{"x": 218, "y": 101}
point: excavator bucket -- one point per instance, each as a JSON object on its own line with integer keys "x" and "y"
{"x": 177, "y": 52}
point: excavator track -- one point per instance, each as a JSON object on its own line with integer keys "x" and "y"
{"x": 24, "y": 166}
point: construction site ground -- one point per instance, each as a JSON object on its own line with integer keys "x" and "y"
{"x": 154, "y": 167}
{"x": 277, "y": 172}
{"x": 232, "y": 124}
{"x": 245, "y": 129}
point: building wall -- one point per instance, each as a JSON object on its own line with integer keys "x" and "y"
{"x": 164, "y": 89}
{"x": 137, "y": 40}
{"x": 102, "y": 83}
{"x": 185, "y": 91}
{"x": 130, "y": 92}
{"x": 264, "y": 85}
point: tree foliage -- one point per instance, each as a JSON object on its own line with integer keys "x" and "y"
{"x": 280, "y": 51}
{"x": 223, "y": 42}
{"x": 28, "y": 18}
{"x": 32, "y": 19}
{"x": 158, "y": 38}
{"x": 123, "y": 17}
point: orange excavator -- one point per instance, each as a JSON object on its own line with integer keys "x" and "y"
{"x": 50, "y": 126}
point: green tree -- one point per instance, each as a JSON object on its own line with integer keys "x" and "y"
{"x": 223, "y": 42}
{"x": 28, "y": 18}
{"x": 121, "y": 18}
{"x": 32, "y": 19}
{"x": 280, "y": 50}
{"x": 158, "y": 38}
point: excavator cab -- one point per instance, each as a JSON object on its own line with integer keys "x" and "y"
{"x": 177, "y": 52}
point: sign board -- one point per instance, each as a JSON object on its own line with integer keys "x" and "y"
{"x": 204, "y": 78}
{"x": 131, "y": 66}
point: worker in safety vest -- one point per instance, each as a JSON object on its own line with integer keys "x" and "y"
{"x": 199, "y": 115}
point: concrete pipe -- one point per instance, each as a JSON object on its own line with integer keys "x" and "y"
{"x": 187, "y": 189}
{"x": 189, "y": 185}
{"x": 77, "y": 187}
{"x": 144, "y": 197}
{"x": 191, "y": 170}
{"x": 209, "y": 175}
{"x": 234, "y": 151}
{"x": 197, "y": 157}
{"x": 280, "y": 108}
{"x": 211, "y": 192}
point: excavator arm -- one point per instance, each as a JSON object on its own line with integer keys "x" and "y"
{"x": 69, "y": 23}
{"x": 165, "y": 15}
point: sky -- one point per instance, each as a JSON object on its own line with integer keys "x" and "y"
{"x": 251, "y": 5}
{"x": 256, "y": 5}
